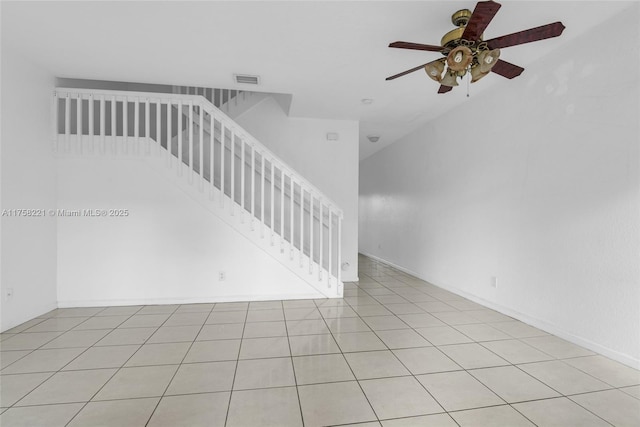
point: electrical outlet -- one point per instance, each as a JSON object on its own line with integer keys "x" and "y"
{"x": 222, "y": 276}
{"x": 8, "y": 294}
{"x": 494, "y": 282}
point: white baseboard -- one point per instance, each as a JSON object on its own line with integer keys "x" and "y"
{"x": 523, "y": 317}
{"x": 177, "y": 300}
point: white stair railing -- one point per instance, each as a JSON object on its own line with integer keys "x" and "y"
{"x": 245, "y": 177}
{"x": 220, "y": 98}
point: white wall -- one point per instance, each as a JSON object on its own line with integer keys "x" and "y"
{"x": 28, "y": 174}
{"x": 535, "y": 183}
{"x": 169, "y": 249}
{"x": 332, "y": 166}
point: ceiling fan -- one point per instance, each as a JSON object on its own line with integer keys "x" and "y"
{"x": 466, "y": 52}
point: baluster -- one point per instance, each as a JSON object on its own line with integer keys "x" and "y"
{"x": 67, "y": 122}
{"x": 339, "y": 248}
{"x": 192, "y": 170}
{"x": 291, "y": 236}
{"x": 321, "y": 237}
{"x": 201, "y": 147}
{"x": 253, "y": 185}
{"x": 54, "y": 121}
{"x": 232, "y": 178}
{"x": 169, "y": 135}
{"x": 179, "y": 154}
{"x": 273, "y": 196}
{"x": 212, "y": 144}
{"x": 262, "y": 179}
{"x": 147, "y": 124}
{"x": 103, "y": 124}
{"x": 281, "y": 209}
{"x": 301, "y": 223}
{"x": 114, "y": 120}
{"x": 310, "y": 232}
{"x": 136, "y": 123}
{"x": 330, "y": 246}
{"x": 222, "y": 156}
{"x": 242, "y": 181}
{"x": 158, "y": 143}
{"x": 79, "y": 123}
{"x": 91, "y": 128}
{"x": 125, "y": 124}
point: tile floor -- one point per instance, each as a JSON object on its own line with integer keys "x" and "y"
{"x": 395, "y": 351}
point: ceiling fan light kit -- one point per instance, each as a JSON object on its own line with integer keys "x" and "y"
{"x": 466, "y": 51}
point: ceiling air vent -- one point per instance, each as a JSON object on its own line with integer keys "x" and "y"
{"x": 247, "y": 79}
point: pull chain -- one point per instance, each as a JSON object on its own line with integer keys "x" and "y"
{"x": 468, "y": 80}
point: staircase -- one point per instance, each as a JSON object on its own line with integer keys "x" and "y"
{"x": 230, "y": 173}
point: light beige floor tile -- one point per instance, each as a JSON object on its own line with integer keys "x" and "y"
{"x": 298, "y": 303}
{"x": 267, "y": 315}
{"x": 125, "y": 310}
{"x": 265, "y": 305}
{"x": 435, "y": 420}
{"x": 128, "y": 336}
{"x": 443, "y": 335}
{"x": 144, "y": 320}
{"x": 264, "y": 373}
{"x": 334, "y": 312}
{"x": 359, "y": 341}
{"x": 404, "y": 308}
{"x": 482, "y": 332}
{"x": 369, "y": 424}
{"x": 15, "y": 387}
{"x": 375, "y": 364}
{"x": 402, "y": 338}
{"x": 142, "y": 381}
{"x": 195, "y": 410}
{"x": 493, "y": 416}
{"x": 390, "y": 299}
{"x": 399, "y": 397}
{"x": 68, "y": 387}
{"x": 256, "y": 348}
{"x": 187, "y": 319}
{"x": 223, "y": 331}
{"x": 9, "y": 357}
{"x": 77, "y": 311}
{"x": 302, "y": 313}
{"x": 466, "y": 305}
{"x": 516, "y": 351}
{"x": 213, "y": 351}
{"x": 195, "y": 308}
{"x": 159, "y": 354}
{"x": 632, "y": 391}
{"x": 435, "y": 306}
{"x": 57, "y": 324}
{"x": 130, "y": 413}
{"x": 106, "y": 322}
{"x": 456, "y": 317}
{"x": 76, "y": 339}
{"x": 166, "y": 334}
{"x": 513, "y": 385}
{"x": 472, "y": 356}
{"x": 558, "y": 412}
{"x": 384, "y": 323}
{"x": 26, "y": 325}
{"x": 347, "y": 324}
{"x": 458, "y": 390}
{"x": 334, "y": 403}
{"x": 223, "y": 316}
{"x": 372, "y": 310}
{"x": 607, "y": 370}
{"x": 425, "y": 320}
{"x": 231, "y": 306}
{"x": 265, "y": 329}
{"x": 276, "y": 407}
{"x": 47, "y": 415}
{"x": 306, "y": 345}
{"x": 307, "y": 327}
{"x": 489, "y": 316}
{"x": 103, "y": 357}
{"x": 28, "y": 341}
{"x": 321, "y": 369}
{"x": 614, "y": 406}
{"x": 563, "y": 378}
{"x": 158, "y": 309}
{"x": 43, "y": 361}
{"x": 426, "y": 360}
{"x": 517, "y": 329}
{"x": 557, "y": 347}
{"x": 202, "y": 378}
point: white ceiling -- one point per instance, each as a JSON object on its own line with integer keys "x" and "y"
{"x": 329, "y": 55}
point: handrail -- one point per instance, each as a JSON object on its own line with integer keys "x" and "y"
{"x": 213, "y": 111}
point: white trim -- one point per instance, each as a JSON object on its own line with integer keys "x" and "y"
{"x": 533, "y": 321}
{"x": 190, "y": 300}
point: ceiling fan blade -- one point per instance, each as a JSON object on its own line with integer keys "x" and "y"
{"x": 444, "y": 89}
{"x": 416, "y": 46}
{"x": 481, "y": 17}
{"x": 507, "y": 69}
{"x": 404, "y": 73}
{"x": 527, "y": 36}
